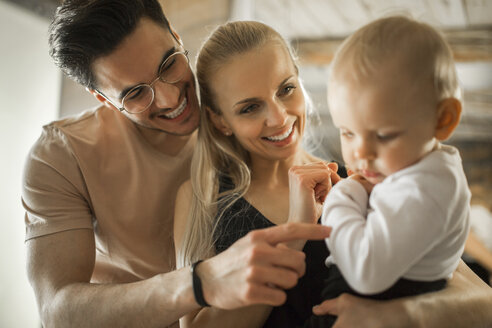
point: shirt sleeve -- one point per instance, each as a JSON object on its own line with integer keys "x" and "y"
{"x": 54, "y": 194}
{"x": 373, "y": 251}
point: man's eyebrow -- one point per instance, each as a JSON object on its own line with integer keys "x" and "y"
{"x": 164, "y": 57}
{"x": 253, "y": 99}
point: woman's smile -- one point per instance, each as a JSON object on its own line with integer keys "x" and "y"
{"x": 282, "y": 138}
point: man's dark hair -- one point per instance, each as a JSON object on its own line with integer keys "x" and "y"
{"x": 84, "y": 30}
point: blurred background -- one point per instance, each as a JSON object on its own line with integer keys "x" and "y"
{"x": 33, "y": 92}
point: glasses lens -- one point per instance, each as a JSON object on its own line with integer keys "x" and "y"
{"x": 173, "y": 69}
{"x": 138, "y": 99}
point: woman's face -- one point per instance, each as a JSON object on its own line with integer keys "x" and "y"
{"x": 261, "y": 102}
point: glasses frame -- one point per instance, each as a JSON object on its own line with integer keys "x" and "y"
{"x": 150, "y": 85}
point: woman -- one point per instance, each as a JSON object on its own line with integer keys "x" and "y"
{"x": 250, "y": 138}
{"x": 252, "y": 122}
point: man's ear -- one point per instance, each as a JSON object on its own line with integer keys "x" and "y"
{"x": 100, "y": 98}
{"x": 219, "y": 122}
{"x": 448, "y": 117}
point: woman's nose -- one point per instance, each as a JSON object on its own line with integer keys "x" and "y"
{"x": 276, "y": 115}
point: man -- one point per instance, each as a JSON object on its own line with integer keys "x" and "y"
{"x": 99, "y": 188}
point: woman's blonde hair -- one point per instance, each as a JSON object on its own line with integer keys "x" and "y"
{"x": 421, "y": 49}
{"x": 215, "y": 154}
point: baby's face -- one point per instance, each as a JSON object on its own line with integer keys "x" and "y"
{"x": 385, "y": 123}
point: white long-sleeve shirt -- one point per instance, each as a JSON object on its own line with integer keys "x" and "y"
{"x": 413, "y": 226}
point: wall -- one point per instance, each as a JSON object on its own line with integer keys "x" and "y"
{"x": 29, "y": 93}
{"x": 74, "y": 98}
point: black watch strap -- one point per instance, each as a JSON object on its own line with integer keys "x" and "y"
{"x": 197, "y": 285}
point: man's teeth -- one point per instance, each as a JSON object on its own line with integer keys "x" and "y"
{"x": 281, "y": 136}
{"x": 178, "y": 111}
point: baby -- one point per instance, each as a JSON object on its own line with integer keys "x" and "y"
{"x": 401, "y": 220}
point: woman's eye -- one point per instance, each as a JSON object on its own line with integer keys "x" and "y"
{"x": 248, "y": 109}
{"x": 286, "y": 90}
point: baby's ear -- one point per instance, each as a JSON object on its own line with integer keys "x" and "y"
{"x": 448, "y": 117}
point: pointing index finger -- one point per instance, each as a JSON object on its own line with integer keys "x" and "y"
{"x": 294, "y": 231}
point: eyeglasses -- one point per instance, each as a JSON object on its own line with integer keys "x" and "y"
{"x": 140, "y": 97}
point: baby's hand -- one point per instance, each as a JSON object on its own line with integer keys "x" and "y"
{"x": 363, "y": 181}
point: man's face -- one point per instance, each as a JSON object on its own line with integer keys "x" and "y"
{"x": 137, "y": 60}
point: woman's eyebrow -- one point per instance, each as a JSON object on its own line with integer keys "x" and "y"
{"x": 285, "y": 80}
{"x": 247, "y": 100}
{"x": 257, "y": 99}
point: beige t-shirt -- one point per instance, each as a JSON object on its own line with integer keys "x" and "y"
{"x": 96, "y": 171}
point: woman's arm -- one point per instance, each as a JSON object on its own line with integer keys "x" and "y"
{"x": 466, "y": 302}
{"x": 252, "y": 316}
{"x": 308, "y": 187}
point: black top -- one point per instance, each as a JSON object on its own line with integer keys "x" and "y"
{"x": 241, "y": 218}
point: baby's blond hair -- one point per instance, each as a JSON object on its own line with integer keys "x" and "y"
{"x": 421, "y": 51}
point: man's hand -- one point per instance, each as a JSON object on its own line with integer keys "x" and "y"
{"x": 356, "y": 312}
{"x": 258, "y": 267}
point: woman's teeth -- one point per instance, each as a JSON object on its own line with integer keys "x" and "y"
{"x": 178, "y": 111}
{"x": 281, "y": 136}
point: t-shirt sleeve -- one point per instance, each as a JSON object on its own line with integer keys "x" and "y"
{"x": 54, "y": 193}
{"x": 374, "y": 251}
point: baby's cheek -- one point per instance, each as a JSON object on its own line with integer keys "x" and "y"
{"x": 396, "y": 162}
{"x": 347, "y": 155}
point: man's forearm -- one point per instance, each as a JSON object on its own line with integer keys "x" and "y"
{"x": 469, "y": 310}
{"x": 155, "y": 302}
{"x": 467, "y": 302}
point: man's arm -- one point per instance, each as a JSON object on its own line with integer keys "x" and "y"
{"x": 476, "y": 249}
{"x": 466, "y": 302}
{"x": 60, "y": 266}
